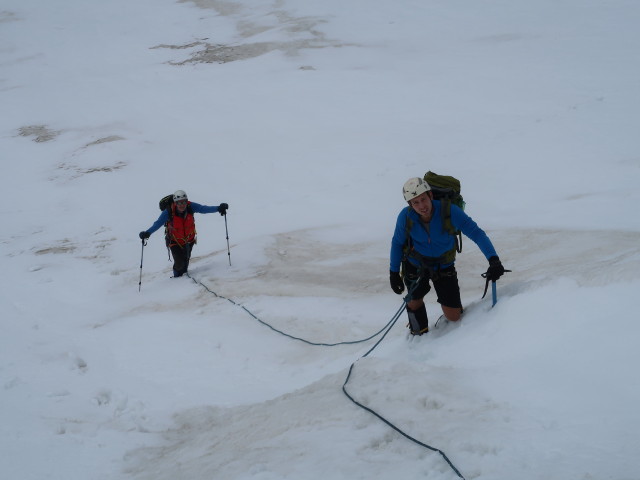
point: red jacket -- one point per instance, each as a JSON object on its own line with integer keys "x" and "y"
{"x": 181, "y": 230}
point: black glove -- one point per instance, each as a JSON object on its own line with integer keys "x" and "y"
{"x": 144, "y": 235}
{"x": 397, "y": 285}
{"x": 495, "y": 270}
{"x": 223, "y": 208}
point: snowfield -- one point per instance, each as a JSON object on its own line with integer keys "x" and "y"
{"x": 307, "y": 119}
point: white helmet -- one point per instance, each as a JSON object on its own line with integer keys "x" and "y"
{"x": 179, "y": 195}
{"x": 414, "y": 187}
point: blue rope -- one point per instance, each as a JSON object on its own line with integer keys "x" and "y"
{"x": 308, "y": 342}
{"x": 407, "y": 298}
{"x": 409, "y": 437}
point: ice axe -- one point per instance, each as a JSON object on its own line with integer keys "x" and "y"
{"x": 494, "y": 293}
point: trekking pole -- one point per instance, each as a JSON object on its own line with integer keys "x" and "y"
{"x": 144, "y": 243}
{"x": 227, "y": 231}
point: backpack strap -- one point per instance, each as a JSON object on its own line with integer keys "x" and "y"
{"x": 167, "y": 237}
{"x": 445, "y": 205}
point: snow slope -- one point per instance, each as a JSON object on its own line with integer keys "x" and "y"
{"x": 307, "y": 119}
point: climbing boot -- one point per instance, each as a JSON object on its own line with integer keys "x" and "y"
{"x": 418, "y": 321}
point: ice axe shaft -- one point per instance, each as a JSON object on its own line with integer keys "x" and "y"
{"x": 494, "y": 294}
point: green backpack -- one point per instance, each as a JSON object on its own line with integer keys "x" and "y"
{"x": 447, "y": 189}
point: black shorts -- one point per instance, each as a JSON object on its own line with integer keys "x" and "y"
{"x": 445, "y": 284}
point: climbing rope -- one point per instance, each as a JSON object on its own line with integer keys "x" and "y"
{"x": 376, "y": 414}
{"x": 308, "y": 342}
{"x": 407, "y": 298}
{"x": 386, "y": 329}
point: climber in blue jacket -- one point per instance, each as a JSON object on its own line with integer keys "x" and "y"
{"x": 426, "y": 251}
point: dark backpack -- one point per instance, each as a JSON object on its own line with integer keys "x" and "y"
{"x": 165, "y": 202}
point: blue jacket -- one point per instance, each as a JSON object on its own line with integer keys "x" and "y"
{"x": 437, "y": 241}
{"x": 164, "y": 216}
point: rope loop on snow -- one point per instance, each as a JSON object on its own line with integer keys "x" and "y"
{"x": 407, "y": 298}
{"x": 308, "y": 342}
{"x": 386, "y": 329}
{"x": 401, "y": 432}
